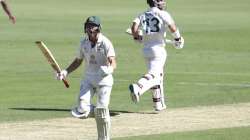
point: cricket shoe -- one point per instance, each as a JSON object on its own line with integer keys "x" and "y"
{"x": 134, "y": 93}
{"x": 75, "y": 113}
{"x": 160, "y": 107}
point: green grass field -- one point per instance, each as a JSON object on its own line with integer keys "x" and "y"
{"x": 212, "y": 69}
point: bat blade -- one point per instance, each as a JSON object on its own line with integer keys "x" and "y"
{"x": 50, "y": 58}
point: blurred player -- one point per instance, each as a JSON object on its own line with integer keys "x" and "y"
{"x": 7, "y": 11}
{"x": 149, "y": 28}
{"x": 98, "y": 53}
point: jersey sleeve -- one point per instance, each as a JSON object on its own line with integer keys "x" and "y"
{"x": 110, "y": 49}
{"x": 80, "y": 51}
{"x": 167, "y": 18}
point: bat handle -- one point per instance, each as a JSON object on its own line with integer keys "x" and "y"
{"x": 65, "y": 83}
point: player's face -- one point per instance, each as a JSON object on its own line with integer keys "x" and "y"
{"x": 161, "y": 4}
{"x": 92, "y": 31}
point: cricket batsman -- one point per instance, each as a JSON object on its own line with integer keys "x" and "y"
{"x": 7, "y": 11}
{"x": 98, "y": 53}
{"x": 150, "y": 28}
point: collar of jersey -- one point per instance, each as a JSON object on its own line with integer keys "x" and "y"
{"x": 153, "y": 8}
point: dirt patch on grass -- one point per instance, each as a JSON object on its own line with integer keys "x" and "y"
{"x": 132, "y": 123}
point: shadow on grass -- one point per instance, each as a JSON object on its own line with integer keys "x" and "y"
{"x": 112, "y": 112}
{"x": 134, "y": 112}
{"x": 41, "y": 109}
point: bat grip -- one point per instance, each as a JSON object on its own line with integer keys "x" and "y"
{"x": 65, "y": 83}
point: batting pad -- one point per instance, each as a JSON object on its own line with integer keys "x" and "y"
{"x": 158, "y": 98}
{"x": 103, "y": 123}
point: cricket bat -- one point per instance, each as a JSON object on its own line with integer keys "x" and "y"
{"x": 167, "y": 41}
{"x": 50, "y": 58}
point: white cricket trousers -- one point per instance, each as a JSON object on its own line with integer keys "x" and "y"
{"x": 89, "y": 88}
{"x": 155, "y": 58}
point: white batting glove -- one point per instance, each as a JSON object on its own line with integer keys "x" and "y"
{"x": 62, "y": 75}
{"x": 179, "y": 43}
{"x": 106, "y": 70}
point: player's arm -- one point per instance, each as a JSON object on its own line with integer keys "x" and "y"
{"x": 174, "y": 31}
{"x": 73, "y": 66}
{"x": 135, "y": 31}
{"x": 7, "y": 11}
{"x": 112, "y": 62}
{"x": 178, "y": 39}
{"x": 108, "y": 69}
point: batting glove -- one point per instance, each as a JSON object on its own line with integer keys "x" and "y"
{"x": 179, "y": 43}
{"x": 138, "y": 39}
{"x": 106, "y": 70}
{"x": 62, "y": 75}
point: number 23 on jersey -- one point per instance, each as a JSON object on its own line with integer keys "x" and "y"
{"x": 151, "y": 23}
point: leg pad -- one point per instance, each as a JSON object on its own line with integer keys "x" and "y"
{"x": 103, "y": 123}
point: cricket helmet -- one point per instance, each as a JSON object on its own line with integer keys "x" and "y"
{"x": 157, "y": 3}
{"x": 92, "y": 22}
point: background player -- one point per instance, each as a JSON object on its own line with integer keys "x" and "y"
{"x": 99, "y": 56}
{"x": 153, "y": 24}
{"x": 7, "y": 11}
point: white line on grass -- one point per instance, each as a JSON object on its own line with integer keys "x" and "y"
{"x": 197, "y": 83}
{"x": 212, "y": 73}
{"x": 202, "y": 73}
{"x": 215, "y": 84}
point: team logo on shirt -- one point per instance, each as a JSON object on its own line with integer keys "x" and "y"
{"x": 86, "y": 49}
{"x": 101, "y": 48}
{"x": 92, "y": 57}
{"x": 92, "y": 60}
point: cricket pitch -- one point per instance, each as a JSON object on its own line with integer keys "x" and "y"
{"x": 132, "y": 124}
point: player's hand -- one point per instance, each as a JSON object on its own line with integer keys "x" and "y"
{"x": 138, "y": 36}
{"x": 62, "y": 75}
{"x": 12, "y": 19}
{"x": 179, "y": 43}
{"x": 138, "y": 39}
{"x": 106, "y": 70}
